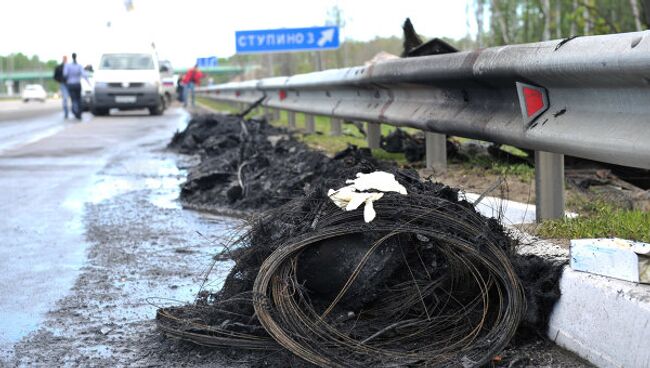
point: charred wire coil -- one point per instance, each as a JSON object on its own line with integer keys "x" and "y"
{"x": 428, "y": 283}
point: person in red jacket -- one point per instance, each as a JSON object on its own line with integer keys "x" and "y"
{"x": 191, "y": 79}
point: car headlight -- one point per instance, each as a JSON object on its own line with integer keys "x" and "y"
{"x": 101, "y": 84}
{"x": 155, "y": 84}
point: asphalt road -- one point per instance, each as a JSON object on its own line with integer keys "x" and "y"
{"x": 91, "y": 229}
{"x": 11, "y": 110}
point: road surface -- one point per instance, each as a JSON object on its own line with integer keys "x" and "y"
{"x": 91, "y": 230}
{"x": 17, "y": 109}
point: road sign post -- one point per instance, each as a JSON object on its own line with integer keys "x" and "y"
{"x": 207, "y": 62}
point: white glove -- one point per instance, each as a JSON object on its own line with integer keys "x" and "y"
{"x": 352, "y": 196}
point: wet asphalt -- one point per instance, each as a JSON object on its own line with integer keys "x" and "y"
{"x": 90, "y": 231}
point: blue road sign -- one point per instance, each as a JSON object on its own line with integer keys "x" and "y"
{"x": 207, "y": 62}
{"x": 287, "y": 39}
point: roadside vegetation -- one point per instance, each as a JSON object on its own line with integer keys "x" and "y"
{"x": 599, "y": 219}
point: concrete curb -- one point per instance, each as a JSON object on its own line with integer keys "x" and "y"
{"x": 603, "y": 320}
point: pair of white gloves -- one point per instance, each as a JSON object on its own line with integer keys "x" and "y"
{"x": 359, "y": 192}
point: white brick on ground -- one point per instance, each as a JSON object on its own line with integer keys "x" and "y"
{"x": 604, "y": 320}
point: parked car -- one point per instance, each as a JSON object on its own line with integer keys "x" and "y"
{"x": 168, "y": 80}
{"x": 33, "y": 92}
{"x": 128, "y": 80}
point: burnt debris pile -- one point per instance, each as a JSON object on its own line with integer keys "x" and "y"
{"x": 249, "y": 164}
{"x": 413, "y": 147}
{"x": 428, "y": 282}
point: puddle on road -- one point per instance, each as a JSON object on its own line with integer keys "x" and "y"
{"x": 159, "y": 176}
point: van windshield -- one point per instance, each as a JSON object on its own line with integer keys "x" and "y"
{"x": 126, "y": 61}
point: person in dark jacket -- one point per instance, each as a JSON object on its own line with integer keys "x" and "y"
{"x": 58, "y": 76}
{"x": 73, "y": 73}
{"x": 180, "y": 94}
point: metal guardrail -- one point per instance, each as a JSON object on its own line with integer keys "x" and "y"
{"x": 587, "y": 97}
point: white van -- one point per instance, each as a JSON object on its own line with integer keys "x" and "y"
{"x": 128, "y": 81}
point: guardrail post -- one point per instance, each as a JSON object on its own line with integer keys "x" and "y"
{"x": 373, "y": 135}
{"x": 291, "y": 119}
{"x": 267, "y": 114}
{"x": 336, "y": 129}
{"x": 436, "y": 151}
{"x": 549, "y": 185}
{"x": 276, "y": 114}
{"x": 310, "y": 125}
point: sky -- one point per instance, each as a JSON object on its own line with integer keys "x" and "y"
{"x": 185, "y": 30}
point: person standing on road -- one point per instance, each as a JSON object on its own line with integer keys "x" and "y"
{"x": 191, "y": 79}
{"x": 180, "y": 91}
{"x": 73, "y": 73}
{"x": 58, "y": 76}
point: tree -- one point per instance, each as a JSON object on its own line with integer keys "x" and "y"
{"x": 637, "y": 16}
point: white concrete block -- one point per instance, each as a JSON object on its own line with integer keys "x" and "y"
{"x": 604, "y": 320}
{"x": 622, "y": 259}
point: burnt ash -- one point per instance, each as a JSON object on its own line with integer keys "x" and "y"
{"x": 251, "y": 165}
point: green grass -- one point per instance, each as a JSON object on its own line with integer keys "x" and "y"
{"x": 523, "y": 172}
{"x": 216, "y": 105}
{"x": 600, "y": 220}
{"x": 324, "y": 141}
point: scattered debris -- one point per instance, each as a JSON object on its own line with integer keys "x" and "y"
{"x": 414, "y": 148}
{"x": 564, "y": 41}
{"x": 428, "y": 282}
{"x": 603, "y": 184}
{"x": 414, "y": 46}
{"x": 398, "y": 141}
{"x": 258, "y": 168}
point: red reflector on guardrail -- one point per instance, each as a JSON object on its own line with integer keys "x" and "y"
{"x": 237, "y": 93}
{"x": 282, "y": 94}
{"x": 533, "y": 101}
